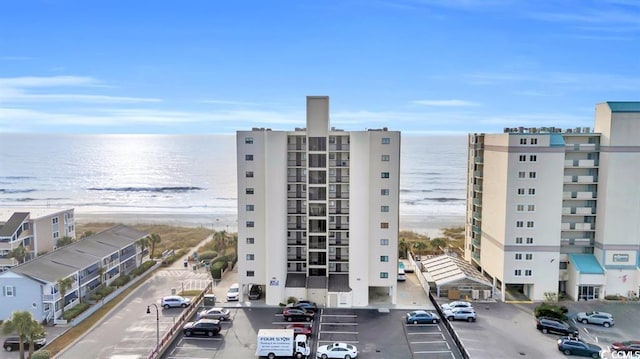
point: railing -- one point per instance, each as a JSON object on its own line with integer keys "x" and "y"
{"x": 452, "y": 332}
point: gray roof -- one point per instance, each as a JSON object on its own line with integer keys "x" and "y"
{"x": 339, "y": 283}
{"x": 317, "y": 282}
{"x": 15, "y": 221}
{"x": 446, "y": 269}
{"x": 81, "y": 254}
{"x": 296, "y": 280}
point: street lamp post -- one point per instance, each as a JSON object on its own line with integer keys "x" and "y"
{"x": 157, "y": 323}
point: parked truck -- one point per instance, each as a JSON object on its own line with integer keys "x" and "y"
{"x": 282, "y": 343}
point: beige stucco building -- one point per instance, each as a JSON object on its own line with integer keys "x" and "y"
{"x": 556, "y": 211}
{"x": 318, "y": 211}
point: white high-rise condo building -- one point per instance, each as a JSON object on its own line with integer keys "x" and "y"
{"x": 318, "y": 211}
{"x": 553, "y": 211}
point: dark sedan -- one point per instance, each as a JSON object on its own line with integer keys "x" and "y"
{"x": 573, "y": 346}
{"x": 305, "y": 304}
{"x": 553, "y": 325}
{"x": 297, "y": 314}
{"x": 13, "y": 343}
{"x": 208, "y": 327}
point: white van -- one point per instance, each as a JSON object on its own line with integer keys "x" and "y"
{"x": 234, "y": 292}
{"x": 401, "y": 276}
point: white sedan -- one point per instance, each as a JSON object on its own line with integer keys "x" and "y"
{"x": 337, "y": 350}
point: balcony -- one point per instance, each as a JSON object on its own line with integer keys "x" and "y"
{"x": 476, "y": 256}
{"x": 477, "y": 188}
{"x": 477, "y": 173}
{"x": 297, "y": 163}
{"x": 477, "y": 202}
{"x": 343, "y": 226}
{"x": 296, "y": 147}
{"x": 338, "y": 147}
{"x": 296, "y": 258}
{"x": 297, "y": 194}
{"x": 344, "y": 210}
{"x": 476, "y": 242}
{"x": 342, "y": 194}
{"x": 338, "y": 179}
{"x": 579, "y": 195}
{"x": 342, "y": 258}
{"x": 339, "y": 242}
{"x": 577, "y": 226}
{"x": 477, "y": 216}
{"x": 476, "y": 229}
{"x": 339, "y": 163}
{"x": 478, "y": 159}
{"x": 298, "y": 226}
{"x": 296, "y": 242}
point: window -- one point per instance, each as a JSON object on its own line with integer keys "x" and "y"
{"x": 248, "y": 190}
{"x": 528, "y": 256}
{"x": 521, "y": 174}
{"x": 250, "y": 273}
{"x": 518, "y": 240}
{"x": 620, "y": 257}
{"x": 529, "y": 240}
{"x": 384, "y": 242}
{"x": 384, "y": 258}
{"x": 534, "y": 141}
{"x": 384, "y": 208}
{"x": 384, "y": 192}
{"x": 523, "y": 141}
{"x": 531, "y": 208}
{"x": 522, "y": 158}
{"x": 250, "y": 224}
{"x": 532, "y": 175}
{"x": 520, "y": 191}
{"x": 385, "y": 158}
{"x": 248, "y": 157}
{"x": 520, "y": 208}
{"x": 384, "y": 175}
{"x": 248, "y": 140}
{"x": 518, "y": 256}
{"x": 517, "y": 272}
{"x": 563, "y": 265}
{"x": 250, "y": 257}
{"x": 527, "y": 272}
{"x": 386, "y": 140}
{"x": 384, "y": 274}
{"x": 251, "y": 240}
{"x": 54, "y": 220}
{"x": 56, "y": 234}
{"x": 532, "y": 191}
{"x": 533, "y": 158}
{"x": 249, "y": 208}
{"x": 519, "y": 224}
{"x": 384, "y": 224}
{"x": 249, "y": 174}
{"x": 529, "y": 224}
{"x": 9, "y": 291}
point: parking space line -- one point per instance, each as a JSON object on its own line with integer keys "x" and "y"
{"x": 327, "y": 332}
{"x": 433, "y": 342}
{"x": 342, "y": 341}
{"x": 340, "y": 315}
{"x": 434, "y": 352}
{"x": 439, "y": 334}
{"x": 426, "y": 333}
{"x": 192, "y": 338}
{"x": 321, "y": 324}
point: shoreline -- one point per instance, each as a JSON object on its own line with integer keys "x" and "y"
{"x": 426, "y": 225}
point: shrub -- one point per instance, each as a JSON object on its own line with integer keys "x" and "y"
{"x": 142, "y": 268}
{"x": 291, "y": 300}
{"x": 75, "y": 311}
{"x": 217, "y": 268}
{"x": 208, "y": 255}
{"x": 613, "y": 297}
{"x": 551, "y": 310}
{"x": 102, "y": 292}
{"x": 120, "y": 281}
{"x": 41, "y": 354}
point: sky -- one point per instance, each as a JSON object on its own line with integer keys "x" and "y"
{"x": 215, "y": 67}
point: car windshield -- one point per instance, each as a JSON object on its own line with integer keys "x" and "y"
{"x": 233, "y": 290}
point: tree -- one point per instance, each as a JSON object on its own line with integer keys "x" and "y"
{"x": 154, "y": 239}
{"x": 25, "y": 327}
{"x": 419, "y": 247}
{"x": 220, "y": 239}
{"x": 19, "y": 253}
{"x": 101, "y": 271}
{"x": 64, "y": 241}
{"x": 438, "y": 243}
{"x": 143, "y": 243}
{"x": 64, "y": 285}
{"x": 403, "y": 248}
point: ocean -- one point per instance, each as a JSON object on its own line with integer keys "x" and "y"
{"x": 192, "y": 178}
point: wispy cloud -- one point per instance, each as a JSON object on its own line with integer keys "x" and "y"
{"x": 228, "y": 102}
{"x": 15, "y": 58}
{"x": 557, "y": 80}
{"x": 53, "y": 81}
{"x": 446, "y": 103}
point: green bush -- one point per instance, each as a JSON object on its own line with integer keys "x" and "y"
{"x": 120, "y": 281}
{"x": 613, "y": 297}
{"x": 207, "y": 255}
{"x": 41, "y": 354}
{"x": 291, "y": 300}
{"x": 142, "y": 268}
{"x": 551, "y": 310}
{"x": 75, "y": 311}
{"x": 217, "y": 268}
{"x": 101, "y": 293}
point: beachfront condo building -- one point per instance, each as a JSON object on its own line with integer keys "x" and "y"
{"x": 555, "y": 212}
{"x": 318, "y": 211}
{"x": 28, "y": 233}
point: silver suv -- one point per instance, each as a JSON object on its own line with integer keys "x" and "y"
{"x": 175, "y": 301}
{"x": 602, "y": 318}
{"x": 467, "y": 314}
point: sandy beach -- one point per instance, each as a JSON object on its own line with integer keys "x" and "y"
{"x": 430, "y": 226}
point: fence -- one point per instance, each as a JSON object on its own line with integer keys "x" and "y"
{"x": 452, "y": 332}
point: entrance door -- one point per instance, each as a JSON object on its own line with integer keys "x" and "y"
{"x": 588, "y": 292}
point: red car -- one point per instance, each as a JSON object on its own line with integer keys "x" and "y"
{"x": 300, "y": 329}
{"x": 629, "y": 346}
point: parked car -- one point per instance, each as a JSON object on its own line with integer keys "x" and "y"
{"x": 233, "y": 293}
{"x": 574, "y": 346}
{"x": 305, "y": 304}
{"x": 602, "y": 318}
{"x": 422, "y": 317}
{"x": 255, "y": 291}
{"x": 457, "y": 304}
{"x": 300, "y": 328}
{"x": 221, "y": 314}
{"x": 629, "y": 346}
{"x": 297, "y": 314}
{"x": 13, "y": 343}
{"x": 208, "y": 327}
{"x": 337, "y": 350}
{"x": 553, "y": 325}
{"x": 467, "y": 314}
{"x": 173, "y": 301}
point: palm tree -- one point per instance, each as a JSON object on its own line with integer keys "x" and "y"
{"x": 22, "y": 324}
{"x": 19, "y": 253}
{"x": 36, "y": 331}
{"x": 154, "y": 239}
{"x": 143, "y": 243}
{"x": 101, "y": 271}
{"x": 63, "y": 286}
{"x": 220, "y": 239}
{"x": 403, "y": 248}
